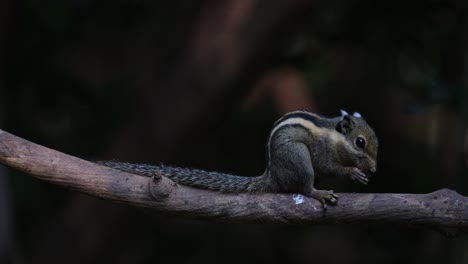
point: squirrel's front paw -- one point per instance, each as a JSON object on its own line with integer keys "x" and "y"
{"x": 357, "y": 175}
{"x": 324, "y": 197}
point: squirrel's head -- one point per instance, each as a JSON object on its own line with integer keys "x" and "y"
{"x": 360, "y": 149}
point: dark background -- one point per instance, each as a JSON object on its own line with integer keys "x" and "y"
{"x": 199, "y": 84}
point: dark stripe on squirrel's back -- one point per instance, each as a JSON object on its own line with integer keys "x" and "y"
{"x": 314, "y": 118}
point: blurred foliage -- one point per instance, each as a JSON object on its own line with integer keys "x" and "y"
{"x": 408, "y": 42}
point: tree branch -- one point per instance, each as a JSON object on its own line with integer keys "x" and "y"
{"x": 441, "y": 209}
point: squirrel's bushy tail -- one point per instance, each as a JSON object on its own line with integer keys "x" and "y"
{"x": 194, "y": 177}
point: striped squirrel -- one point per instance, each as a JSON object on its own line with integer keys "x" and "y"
{"x": 301, "y": 146}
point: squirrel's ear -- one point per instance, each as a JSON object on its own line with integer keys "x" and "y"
{"x": 345, "y": 125}
{"x": 343, "y": 113}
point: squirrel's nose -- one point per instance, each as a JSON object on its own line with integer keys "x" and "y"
{"x": 373, "y": 166}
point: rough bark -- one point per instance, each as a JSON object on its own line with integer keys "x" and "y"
{"x": 441, "y": 209}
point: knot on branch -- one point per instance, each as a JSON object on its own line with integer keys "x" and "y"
{"x": 161, "y": 187}
{"x": 447, "y": 193}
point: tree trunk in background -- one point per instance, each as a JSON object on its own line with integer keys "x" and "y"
{"x": 229, "y": 45}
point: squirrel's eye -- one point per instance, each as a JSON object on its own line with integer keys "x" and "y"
{"x": 360, "y": 142}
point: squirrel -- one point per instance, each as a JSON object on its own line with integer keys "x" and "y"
{"x": 301, "y": 146}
